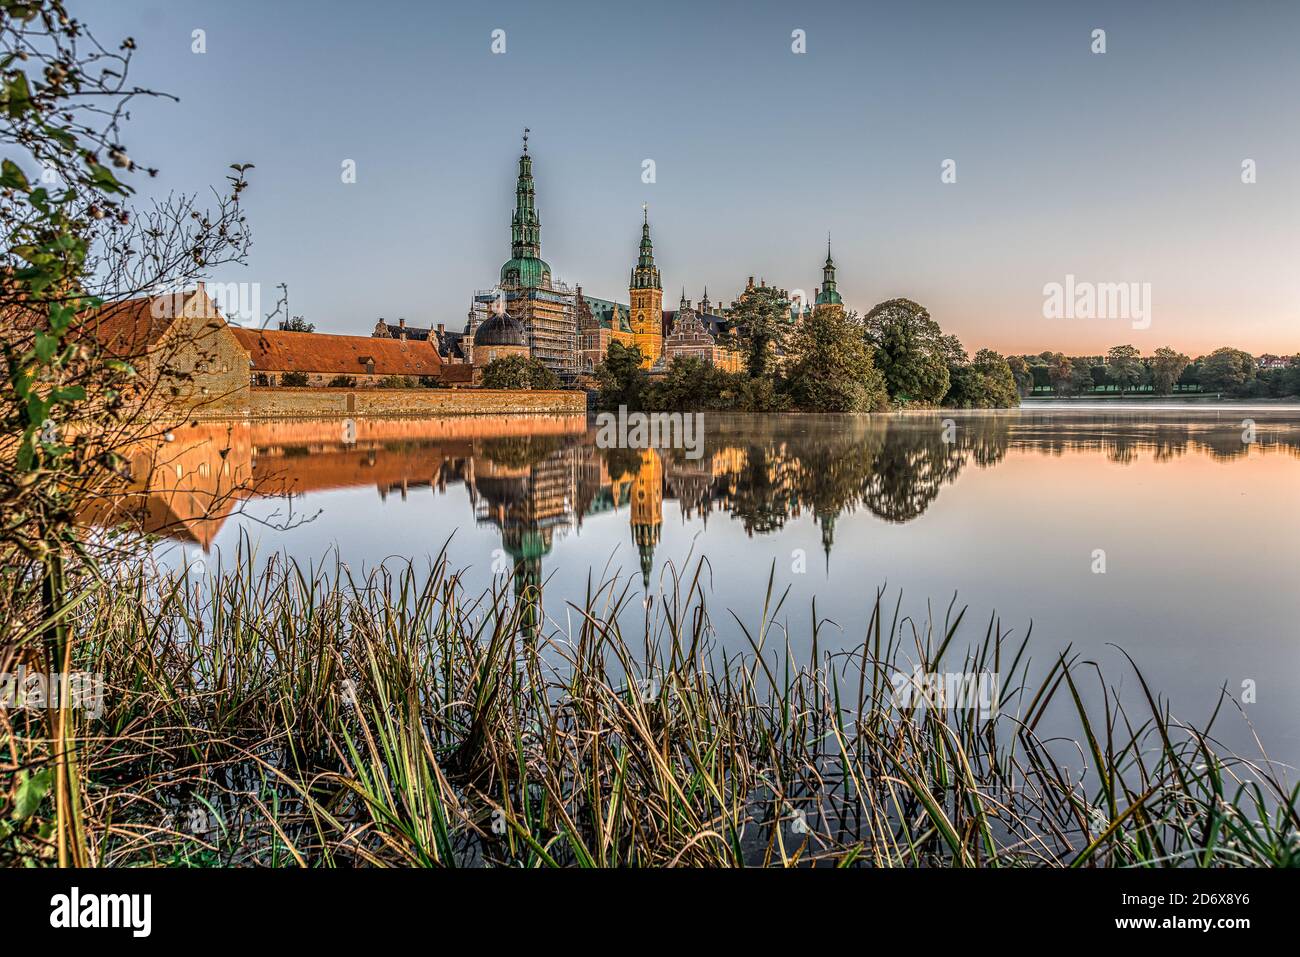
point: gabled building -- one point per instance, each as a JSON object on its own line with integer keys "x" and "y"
{"x": 182, "y": 349}
{"x": 600, "y": 322}
{"x": 689, "y": 336}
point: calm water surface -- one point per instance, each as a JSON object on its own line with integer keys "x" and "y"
{"x": 1192, "y": 508}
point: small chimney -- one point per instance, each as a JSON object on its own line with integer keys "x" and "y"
{"x": 401, "y": 322}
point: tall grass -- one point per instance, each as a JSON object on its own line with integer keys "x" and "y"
{"x": 281, "y": 715}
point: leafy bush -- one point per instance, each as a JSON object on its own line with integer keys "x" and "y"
{"x": 518, "y": 372}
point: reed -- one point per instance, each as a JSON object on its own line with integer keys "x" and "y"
{"x": 277, "y": 714}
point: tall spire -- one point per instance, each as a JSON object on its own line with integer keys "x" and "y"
{"x": 525, "y": 226}
{"x": 645, "y": 275}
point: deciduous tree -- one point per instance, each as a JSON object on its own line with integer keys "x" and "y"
{"x": 518, "y": 372}
{"x": 760, "y": 320}
{"x": 1227, "y": 370}
{"x": 832, "y": 369}
{"x": 1125, "y": 363}
{"x": 1167, "y": 368}
{"x": 620, "y": 378}
{"x": 909, "y": 351}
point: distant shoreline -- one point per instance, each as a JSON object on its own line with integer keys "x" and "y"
{"x": 1177, "y": 399}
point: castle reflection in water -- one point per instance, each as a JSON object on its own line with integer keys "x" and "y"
{"x": 534, "y": 478}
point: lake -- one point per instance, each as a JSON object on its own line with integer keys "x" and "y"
{"x": 1170, "y": 530}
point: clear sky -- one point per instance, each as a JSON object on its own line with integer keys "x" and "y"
{"x": 1124, "y": 166}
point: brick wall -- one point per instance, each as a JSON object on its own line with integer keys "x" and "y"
{"x": 199, "y": 365}
{"x": 341, "y": 403}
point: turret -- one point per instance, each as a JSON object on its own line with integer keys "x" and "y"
{"x": 828, "y": 296}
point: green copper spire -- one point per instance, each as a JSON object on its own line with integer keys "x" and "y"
{"x": 645, "y": 275}
{"x": 525, "y": 227}
{"x": 525, "y": 267}
{"x": 828, "y": 295}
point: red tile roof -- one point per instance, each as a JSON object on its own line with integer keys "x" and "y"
{"x": 126, "y": 329}
{"x": 272, "y": 350}
{"x": 129, "y": 329}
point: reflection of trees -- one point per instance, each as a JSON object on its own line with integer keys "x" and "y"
{"x": 892, "y": 466}
{"x": 620, "y": 462}
{"x": 834, "y": 475}
{"x": 766, "y": 470}
{"x": 987, "y": 437}
{"x": 909, "y": 471}
{"x": 521, "y": 451}
{"x": 763, "y": 493}
{"x": 1124, "y": 437}
{"x": 762, "y": 470}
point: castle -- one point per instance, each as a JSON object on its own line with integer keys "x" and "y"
{"x": 531, "y": 313}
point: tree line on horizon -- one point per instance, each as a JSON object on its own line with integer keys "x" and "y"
{"x": 1123, "y": 369}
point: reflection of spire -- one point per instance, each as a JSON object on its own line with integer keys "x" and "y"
{"x": 647, "y": 511}
{"x": 827, "y": 522}
{"x": 526, "y": 548}
{"x": 526, "y": 491}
